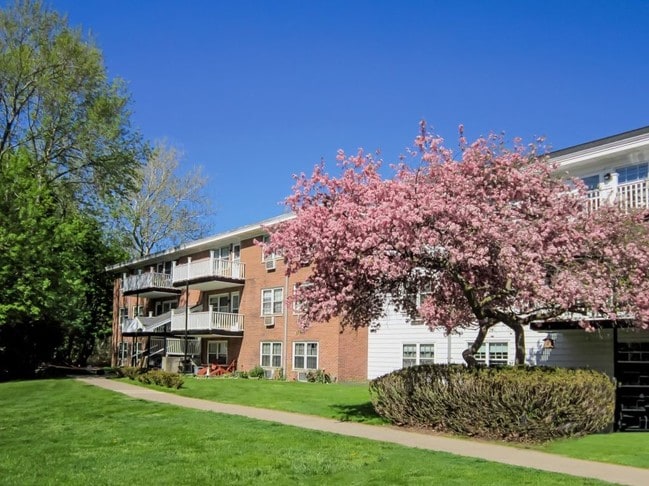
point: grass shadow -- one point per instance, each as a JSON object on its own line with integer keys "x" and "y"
{"x": 361, "y": 412}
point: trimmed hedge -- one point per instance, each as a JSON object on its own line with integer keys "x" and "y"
{"x": 525, "y": 404}
{"x": 162, "y": 378}
{"x": 155, "y": 377}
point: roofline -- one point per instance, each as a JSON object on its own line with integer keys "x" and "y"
{"x": 197, "y": 245}
{"x": 638, "y": 132}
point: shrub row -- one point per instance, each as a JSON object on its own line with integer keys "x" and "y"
{"x": 155, "y": 377}
{"x": 526, "y": 404}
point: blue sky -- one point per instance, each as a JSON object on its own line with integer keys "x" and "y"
{"x": 255, "y": 91}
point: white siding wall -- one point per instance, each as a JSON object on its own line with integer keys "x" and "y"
{"x": 572, "y": 349}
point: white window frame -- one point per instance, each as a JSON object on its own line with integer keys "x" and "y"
{"x": 165, "y": 267}
{"x": 630, "y": 166}
{"x": 273, "y": 256}
{"x": 160, "y": 305}
{"x": 123, "y": 316}
{"x": 298, "y": 307}
{"x": 272, "y": 355}
{"x": 123, "y": 352}
{"x": 417, "y": 358}
{"x": 273, "y": 301}
{"x": 218, "y": 344}
{"x": 419, "y": 297}
{"x": 487, "y": 357}
{"x": 137, "y": 311}
{"x": 305, "y": 355}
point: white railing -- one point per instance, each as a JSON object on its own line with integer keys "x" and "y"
{"x": 206, "y": 321}
{"x": 209, "y": 268}
{"x": 629, "y": 195}
{"x": 177, "y": 346}
{"x": 632, "y": 195}
{"x": 174, "y": 346}
{"x": 146, "y": 281}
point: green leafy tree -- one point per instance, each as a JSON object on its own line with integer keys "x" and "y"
{"x": 55, "y": 296}
{"x": 57, "y": 103}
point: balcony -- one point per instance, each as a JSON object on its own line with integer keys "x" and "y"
{"x": 629, "y": 195}
{"x": 174, "y": 346}
{"x": 149, "y": 285}
{"x": 209, "y": 274}
{"x": 206, "y": 322}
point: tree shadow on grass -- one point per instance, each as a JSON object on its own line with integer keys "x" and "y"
{"x": 360, "y": 412}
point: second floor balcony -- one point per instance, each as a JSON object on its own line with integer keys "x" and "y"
{"x": 205, "y": 322}
{"x": 209, "y": 273}
{"x": 149, "y": 284}
{"x": 628, "y": 195}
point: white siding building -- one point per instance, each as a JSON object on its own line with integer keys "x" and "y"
{"x": 616, "y": 171}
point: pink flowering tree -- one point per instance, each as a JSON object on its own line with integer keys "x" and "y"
{"x": 490, "y": 234}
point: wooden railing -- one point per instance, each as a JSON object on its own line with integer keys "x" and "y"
{"x": 209, "y": 268}
{"x": 206, "y": 321}
{"x": 146, "y": 280}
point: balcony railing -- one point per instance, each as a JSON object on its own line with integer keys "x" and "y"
{"x": 206, "y": 321}
{"x": 209, "y": 268}
{"x": 629, "y": 195}
{"x": 149, "y": 280}
{"x": 174, "y": 346}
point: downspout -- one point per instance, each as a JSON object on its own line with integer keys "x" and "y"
{"x": 285, "y": 343}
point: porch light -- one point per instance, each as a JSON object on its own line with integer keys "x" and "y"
{"x": 607, "y": 176}
{"x": 548, "y": 343}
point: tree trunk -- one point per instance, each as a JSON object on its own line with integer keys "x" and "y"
{"x": 519, "y": 341}
{"x": 469, "y": 353}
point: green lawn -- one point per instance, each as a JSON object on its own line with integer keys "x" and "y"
{"x": 65, "y": 432}
{"x": 352, "y": 402}
{"x": 628, "y": 448}
{"x": 341, "y": 401}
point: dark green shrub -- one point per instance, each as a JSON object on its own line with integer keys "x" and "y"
{"x": 256, "y": 372}
{"x": 318, "y": 376}
{"x": 162, "y": 378}
{"x": 130, "y": 372}
{"x": 509, "y": 403}
{"x": 240, "y": 374}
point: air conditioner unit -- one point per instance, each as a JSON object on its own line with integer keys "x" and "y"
{"x": 268, "y": 373}
{"x": 270, "y": 265}
{"x": 269, "y": 321}
{"x": 301, "y": 376}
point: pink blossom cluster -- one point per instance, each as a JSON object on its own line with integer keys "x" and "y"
{"x": 494, "y": 234}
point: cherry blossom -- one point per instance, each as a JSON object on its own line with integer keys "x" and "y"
{"x": 487, "y": 234}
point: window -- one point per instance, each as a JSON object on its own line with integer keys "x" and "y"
{"x": 493, "y": 354}
{"x": 305, "y": 356}
{"x": 591, "y": 182}
{"x": 420, "y": 297}
{"x": 123, "y": 352}
{"x": 298, "y": 306}
{"x": 414, "y": 354}
{"x": 163, "y": 267}
{"x": 271, "y": 256}
{"x": 271, "y": 355}
{"x": 217, "y": 352}
{"x": 165, "y": 306}
{"x": 272, "y": 301}
{"x": 123, "y": 315}
{"x": 631, "y": 173}
{"x": 138, "y": 310}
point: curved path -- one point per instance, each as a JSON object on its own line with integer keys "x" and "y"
{"x": 490, "y": 452}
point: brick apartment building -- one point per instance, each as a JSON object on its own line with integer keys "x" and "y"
{"x": 218, "y": 300}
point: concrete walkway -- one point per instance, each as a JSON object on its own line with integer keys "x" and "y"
{"x": 490, "y": 452}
